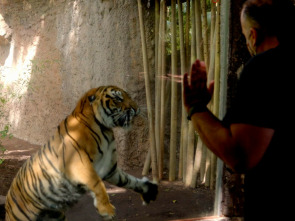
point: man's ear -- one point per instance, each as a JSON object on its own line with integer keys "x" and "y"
{"x": 253, "y": 37}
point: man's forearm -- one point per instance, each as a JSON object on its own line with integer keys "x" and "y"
{"x": 215, "y": 136}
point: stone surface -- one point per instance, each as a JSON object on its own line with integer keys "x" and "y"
{"x": 2, "y": 200}
{"x": 52, "y": 52}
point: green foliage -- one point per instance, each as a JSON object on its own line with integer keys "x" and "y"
{"x": 185, "y": 20}
{"x": 168, "y": 35}
{"x": 5, "y": 131}
{"x": 2, "y": 150}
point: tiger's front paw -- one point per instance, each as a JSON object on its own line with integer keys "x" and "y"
{"x": 107, "y": 211}
{"x": 150, "y": 191}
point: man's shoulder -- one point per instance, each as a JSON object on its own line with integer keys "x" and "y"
{"x": 265, "y": 57}
{"x": 269, "y": 63}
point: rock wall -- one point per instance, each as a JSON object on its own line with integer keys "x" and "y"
{"x": 52, "y": 52}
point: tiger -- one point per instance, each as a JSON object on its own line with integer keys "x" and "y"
{"x": 77, "y": 159}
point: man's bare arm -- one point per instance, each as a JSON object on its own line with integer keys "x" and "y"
{"x": 241, "y": 146}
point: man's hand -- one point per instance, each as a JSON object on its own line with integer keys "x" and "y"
{"x": 195, "y": 91}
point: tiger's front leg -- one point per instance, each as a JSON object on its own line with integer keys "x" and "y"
{"x": 108, "y": 171}
{"x": 147, "y": 189}
{"x": 83, "y": 173}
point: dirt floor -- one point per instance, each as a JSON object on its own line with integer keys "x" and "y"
{"x": 173, "y": 202}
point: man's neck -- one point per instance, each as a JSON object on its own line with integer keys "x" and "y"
{"x": 268, "y": 43}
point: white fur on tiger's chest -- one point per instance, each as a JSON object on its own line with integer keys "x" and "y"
{"x": 106, "y": 161}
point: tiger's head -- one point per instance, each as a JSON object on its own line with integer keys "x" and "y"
{"x": 111, "y": 106}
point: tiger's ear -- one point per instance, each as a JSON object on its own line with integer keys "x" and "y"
{"x": 91, "y": 98}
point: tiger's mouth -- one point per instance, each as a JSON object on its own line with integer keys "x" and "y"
{"x": 124, "y": 119}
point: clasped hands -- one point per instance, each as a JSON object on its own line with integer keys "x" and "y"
{"x": 196, "y": 94}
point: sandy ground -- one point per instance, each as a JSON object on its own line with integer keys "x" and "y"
{"x": 173, "y": 202}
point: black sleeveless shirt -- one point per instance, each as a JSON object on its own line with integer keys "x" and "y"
{"x": 266, "y": 98}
